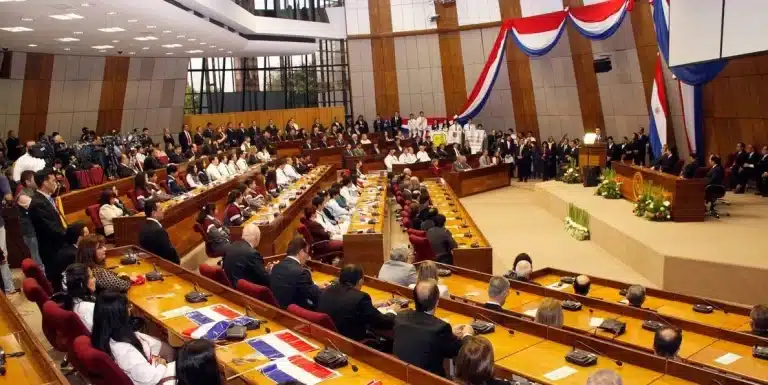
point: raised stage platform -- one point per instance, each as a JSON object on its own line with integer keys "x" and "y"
{"x": 724, "y": 258}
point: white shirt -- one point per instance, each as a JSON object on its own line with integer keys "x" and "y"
{"x": 407, "y": 158}
{"x": 136, "y": 364}
{"x": 84, "y": 311}
{"x": 213, "y": 172}
{"x": 242, "y": 165}
{"x": 389, "y": 160}
{"x": 348, "y": 196}
{"x": 421, "y": 122}
{"x": 337, "y": 210}
{"x": 223, "y": 170}
{"x": 282, "y": 179}
{"x": 191, "y": 181}
{"x": 422, "y": 156}
{"x": 232, "y": 168}
{"x": 245, "y": 146}
{"x": 26, "y": 162}
{"x": 140, "y": 157}
{"x": 413, "y": 127}
{"x": 263, "y": 156}
{"x": 469, "y": 127}
{"x": 106, "y": 214}
{"x": 365, "y": 141}
{"x": 290, "y": 172}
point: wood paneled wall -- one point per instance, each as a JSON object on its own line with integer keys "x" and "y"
{"x": 586, "y": 78}
{"x": 113, "y": 94}
{"x": 736, "y": 105}
{"x": 520, "y": 80}
{"x": 452, "y": 63}
{"x": 35, "y": 94}
{"x": 304, "y": 117}
{"x": 383, "y": 56}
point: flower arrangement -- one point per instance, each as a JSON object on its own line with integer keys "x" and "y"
{"x": 609, "y": 187}
{"x": 572, "y": 175}
{"x": 653, "y": 205}
{"x": 577, "y": 223}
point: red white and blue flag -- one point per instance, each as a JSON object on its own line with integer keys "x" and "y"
{"x": 659, "y": 111}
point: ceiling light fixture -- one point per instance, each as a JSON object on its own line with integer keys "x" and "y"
{"x": 11, "y": 1}
{"x": 145, "y": 48}
{"x": 211, "y": 46}
{"x": 115, "y": 41}
{"x": 68, "y": 39}
{"x": 171, "y": 45}
{"x": 67, "y": 16}
{"x": 151, "y": 26}
{"x": 102, "y": 46}
{"x": 77, "y": 33}
{"x": 110, "y": 13}
{"x": 193, "y": 39}
{"x": 112, "y": 29}
{"x": 16, "y": 29}
{"x": 132, "y": 20}
{"x": 102, "y": 50}
{"x": 229, "y": 51}
{"x": 27, "y": 19}
{"x": 145, "y": 38}
{"x": 221, "y": 49}
{"x": 33, "y": 45}
{"x": 194, "y": 51}
{"x": 169, "y": 53}
{"x": 85, "y": 5}
{"x": 167, "y": 31}
{"x": 66, "y": 49}
{"x": 180, "y": 36}
{"x": 131, "y": 53}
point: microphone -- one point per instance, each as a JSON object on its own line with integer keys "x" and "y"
{"x": 489, "y": 320}
{"x": 354, "y": 367}
{"x": 593, "y": 350}
{"x": 713, "y": 305}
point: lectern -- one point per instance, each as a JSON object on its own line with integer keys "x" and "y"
{"x": 593, "y": 155}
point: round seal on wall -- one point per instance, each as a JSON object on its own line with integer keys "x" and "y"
{"x": 637, "y": 185}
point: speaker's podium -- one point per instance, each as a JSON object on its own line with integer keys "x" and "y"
{"x": 592, "y": 159}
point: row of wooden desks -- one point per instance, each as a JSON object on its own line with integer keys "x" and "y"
{"x": 702, "y": 344}
{"x": 35, "y": 367}
{"x": 279, "y": 219}
{"x": 367, "y": 241}
{"x": 163, "y": 303}
{"x": 478, "y": 180}
{"x": 537, "y": 352}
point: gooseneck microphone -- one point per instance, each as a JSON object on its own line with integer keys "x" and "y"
{"x": 593, "y": 350}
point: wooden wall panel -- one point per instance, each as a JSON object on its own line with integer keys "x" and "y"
{"x": 35, "y": 94}
{"x": 304, "y": 117}
{"x": 383, "y": 57}
{"x": 520, "y": 80}
{"x": 736, "y": 106}
{"x": 451, "y": 59}
{"x": 112, "y": 94}
{"x": 586, "y": 79}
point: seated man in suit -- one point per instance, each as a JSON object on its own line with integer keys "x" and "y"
{"x": 153, "y": 237}
{"x": 124, "y": 169}
{"x": 442, "y": 241}
{"x": 174, "y": 187}
{"x": 351, "y": 309}
{"x": 243, "y": 261}
{"x": 523, "y": 270}
{"x": 291, "y": 281}
{"x": 747, "y": 170}
{"x": 461, "y": 164}
{"x": 716, "y": 174}
{"x": 398, "y": 269}
{"x": 423, "y": 340}
{"x": 581, "y": 285}
{"x": 762, "y": 173}
{"x": 498, "y": 290}
{"x": 689, "y": 171}
{"x": 758, "y": 320}
{"x": 667, "y": 341}
{"x": 635, "y": 296}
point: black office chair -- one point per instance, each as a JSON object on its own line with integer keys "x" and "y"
{"x": 712, "y": 193}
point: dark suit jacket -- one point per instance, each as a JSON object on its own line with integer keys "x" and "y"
{"x": 198, "y": 139}
{"x": 175, "y": 187}
{"x": 150, "y": 163}
{"x": 352, "y": 311}
{"x": 175, "y": 158}
{"x": 183, "y": 142}
{"x": 65, "y": 256}
{"x": 241, "y": 261}
{"x": 492, "y": 306}
{"x": 689, "y": 171}
{"x": 441, "y": 240}
{"x": 715, "y": 175}
{"x": 291, "y": 283}
{"x": 124, "y": 171}
{"x": 154, "y": 239}
{"x": 424, "y": 340}
{"x": 48, "y": 227}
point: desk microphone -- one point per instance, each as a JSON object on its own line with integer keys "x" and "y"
{"x": 593, "y": 350}
{"x": 714, "y": 306}
{"x": 489, "y": 320}
{"x": 574, "y": 305}
{"x": 354, "y": 367}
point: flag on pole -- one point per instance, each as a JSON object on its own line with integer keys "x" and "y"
{"x": 659, "y": 111}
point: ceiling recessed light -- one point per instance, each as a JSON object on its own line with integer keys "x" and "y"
{"x": 221, "y": 49}
{"x": 85, "y": 5}
{"x": 194, "y": 51}
{"x": 180, "y": 36}
{"x": 11, "y": 1}
{"x": 131, "y": 53}
{"x": 115, "y": 41}
{"x": 33, "y": 45}
{"x": 171, "y": 45}
{"x": 68, "y": 39}
{"x": 145, "y": 48}
{"x": 132, "y": 20}
{"x": 112, "y": 29}
{"x": 77, "y": 33}
{"x": 192, "y": 39}
{"x": 145, "y": 38}
{"x": 102, "y": 50}
{"x": 17, "y": 29}
{"x": 27, "y": 19}
{"x": 102, "y": 46}
{"x": 167, "y": 31}
{"x": 66, "y": 49}
{"x": 151, "y": 26}
{"x": 229, "y": 51}
{"x": 111, "y": 13}
{"x": 67, "y": 16}
{"x": 203, "y": 43}
{"x": 169, "y": 53}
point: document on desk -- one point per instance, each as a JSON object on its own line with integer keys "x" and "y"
{"x": 728, "y": 358}
{"x": 297, "y": 368}
{"x": 560, "y": 373}
{"x": 280, "y": 344}
{"x": 178, "y": 312}
{"x": 213, "y": 313}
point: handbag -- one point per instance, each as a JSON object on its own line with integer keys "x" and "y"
{"x": 331, "y": 358}
{"x": 581, "y": 358}
{"x": 483, "y": 327}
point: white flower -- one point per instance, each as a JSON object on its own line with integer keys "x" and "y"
{"x": 570, "y": 170}
{"x": 650, "y": 206}
{"x": 666, "y": 203}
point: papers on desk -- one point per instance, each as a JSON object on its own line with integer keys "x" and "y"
{"x": 596, "y": 322}
{"x": 280, "y": 344}
{"x": 178, "y": 312}
{"x": 297, "y": 368}
{"x": 213, "y": 313}
{"x": 559, "y": 286}
{"x": 727, "y": 358}
{"x": 560, "y": 373}
{"x": 531, "y": 312}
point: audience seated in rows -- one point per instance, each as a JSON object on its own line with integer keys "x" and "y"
{"x": 498, "y": 290}
{"x": 399, "y": 269}
{"x": 428, "y": 270}
{"x": 242, "y": 260}
{"x": 217, "y": 235}
{"x": 91, "y": 251}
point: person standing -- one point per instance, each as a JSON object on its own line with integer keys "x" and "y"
{"x": 48, "y": 221}
{"x": 153, "y": 237}
{"x": 5, "y": 191}
{"x": 185, "y": 138}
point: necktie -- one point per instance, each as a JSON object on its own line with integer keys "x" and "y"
{"x": 56, "y": 207}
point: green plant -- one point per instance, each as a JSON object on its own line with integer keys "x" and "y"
{"x": 652, "y": 204}
{"x": 572, "y": 174}
{"x": 577, "y": 222}
{"x": 578, "y": 215}
{"x": 609, "y": 187}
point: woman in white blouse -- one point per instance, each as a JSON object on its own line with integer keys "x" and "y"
{"x": 263, "y": 155}
{"x": 109, "y": 209}
{"x": 365, "y": 140}
{"x": 143, "y": 358}
{"x": 192, "y": 180}
{"x": 231, "y": 166}
{"x": 79, "y": 285}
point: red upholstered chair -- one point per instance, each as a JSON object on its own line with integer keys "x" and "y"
{"x": 34, "y": 292}
{"x": 93, "y": 213}
{"x": 418, "y": 233}
{"x": 215, "y": 273}
{"x": 325, "y": 251}
{"x": 259, "y": 292}
{"x": 61, "y": 327}
{"x": 83, "y": 178}
{"x": 208, "y": 250}
{"x": 320, "y": 319}
{"x": 97, "y": 366}
{"x": 97, "y": 175}
{"x": 31, "y": 269}
{"x": 421, "y": 248}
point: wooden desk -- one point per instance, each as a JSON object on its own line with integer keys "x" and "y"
{"x": 685, "y": 195}
{"x": 330, "y": 156}
{"x": 371, "y": 364}
{"x": 466, "y": 183}
{"x": 673, "y": 304}
{"x": 532, "y": 350}
{"x": 288, "y": 147}
{"x": 593, "y": 155}
{"x": 35, "y": 367}
{"x": 460, "y": 224}
{"x": 278, "y": 226}
{"x": 421, "y": 169}
{"x": 747, "y": 365}
{"x": 369, "y": 244}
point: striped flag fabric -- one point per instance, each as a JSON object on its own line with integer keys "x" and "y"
{"x": 659, "y": 111}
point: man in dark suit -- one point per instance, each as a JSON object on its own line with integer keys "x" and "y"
{"x": 208, "y": 132}
{"x": 747, "y": 170}
{"x": 123, "y": 169}
{"x": 151, "y": 162}
{"x": 689, "y": 171}
{"x": 271, "y": 128}
{"x": 174, "y": 187}
{"x": 642, "y": 146}
{"x": 762, "y": 173}
{"x": 198, "y": 139}
{"x": 395, "y": 124}
{"x": 423, "y": 340}
{"x": 613, "y": 152}
{"x": 291, "y": 281}
{"x": 153, "y": 237}
{"x": 716, "y": 174}
{"x": 185, "y": 138}
{"x": 441, "y": 240}
{"x": 378, "y": 124}
{"x": 243, "y": 261}
{"x": 351, "y": 309}
{"x": 498, "y": 290}
{"x": 308, "y": 145}
{"x": 253, "y": 131}
{"x": 176, "y": 156}
{"x": 739, "y": 157}
{"x": 46, "y": 218}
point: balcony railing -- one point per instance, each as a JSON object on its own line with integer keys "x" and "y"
{"x": 307, "y": 10}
